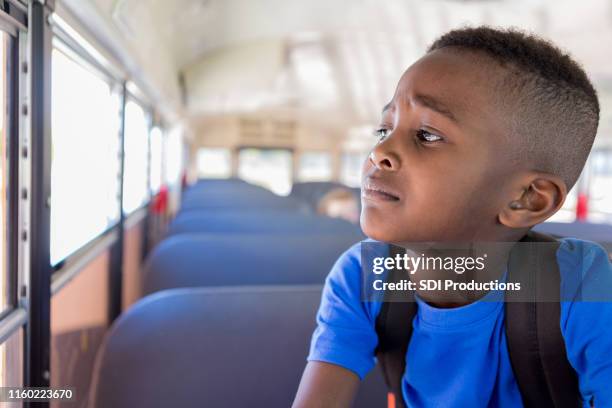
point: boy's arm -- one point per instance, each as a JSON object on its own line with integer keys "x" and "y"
{"x": 343, "y": 344}
{"x": 325, "y": 385}
{"x": 586, "y": 324}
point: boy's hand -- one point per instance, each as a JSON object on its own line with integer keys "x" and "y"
{"x": 325, "y": 385}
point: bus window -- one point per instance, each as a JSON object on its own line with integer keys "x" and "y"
{"x": 136, "y": 155}
{"x": 173, "y": 156}
{"x": 214, "y": 163}
{"x": 156, "y": 162}
{"x": 85, "y": 158}
{"x": 4, "y": 278}
{"x": 567, "y": 213}
{"x": 315, "y": 166}
{"x": 600, "y": 198}
{"x": 350, "y": 172}
{"x": 270, "y": 168}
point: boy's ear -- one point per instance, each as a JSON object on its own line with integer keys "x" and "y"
{"x": 538, "y": 196}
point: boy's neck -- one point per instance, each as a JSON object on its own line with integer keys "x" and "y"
{"x": 492, "y": 256}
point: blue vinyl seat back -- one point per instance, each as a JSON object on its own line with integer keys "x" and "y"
{"x": 208, "y": 193}
{"x": 203, "y": 190}
{"x": 219, "y": 182}
{"x": 192, "y": 260}
{"x": 312, "y": 192}
{"x": 213, "y": 347}
{"x": 257, "y": 222}
{"x": 195, "y": 212}
{"x": 357, "y": 193}
{"x": 230, "y": 192}
{"x": 600, "y": 233}
{"x": 239, "y": 200}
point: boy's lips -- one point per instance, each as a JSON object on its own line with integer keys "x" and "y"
{"x": 373, "y": 189}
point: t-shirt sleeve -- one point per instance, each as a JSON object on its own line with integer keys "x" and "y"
{"x": 586, "y": 322}
{"x": 345, "y": 333}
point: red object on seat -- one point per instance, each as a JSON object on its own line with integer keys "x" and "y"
{"x": 160, "y": 203}
{"x": 582, "y": 207}
{"x": 390, "y": 400}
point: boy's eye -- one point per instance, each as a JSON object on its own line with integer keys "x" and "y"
{"x": 382, "y": 133}
{"x": 426, "y": 137}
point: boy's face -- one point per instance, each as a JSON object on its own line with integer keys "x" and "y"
{"x": 439, "y": 170}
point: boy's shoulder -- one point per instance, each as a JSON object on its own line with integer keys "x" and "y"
{"x": 581, "y": 262}
{"x": 350, "y": 260}
{"x": 586, "y": 272}
{"x": 579, "y": 250}
{"x": 355, "y": 252}
{"x": 572, "y": 251}
{"x": 343, "y": 285}
{"x": 348, "y": 267}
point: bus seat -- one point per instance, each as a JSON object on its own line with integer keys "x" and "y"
{"x": 312, "y": 191}
{"x": 241, "y": 201}
{"x": 600, "y": 233}
{"x": 191, "y": 260}
{"x": 226, "y": 189}
{"x": 249, "y": 222}
{"x": 219, "y": 181}
{"x": 213, "y": 347}
{"x": 223, "y": 194}
{"x": 357, "y": 193}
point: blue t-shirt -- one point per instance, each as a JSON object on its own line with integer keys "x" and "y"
{"x": 459, "y": 357}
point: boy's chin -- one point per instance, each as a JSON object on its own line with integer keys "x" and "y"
{"x": 378, "y": 230}
{"x": 376, "y": 237}
{"x": 398, "y": 231}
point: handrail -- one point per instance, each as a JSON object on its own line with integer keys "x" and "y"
{"x": 12, "y": 322}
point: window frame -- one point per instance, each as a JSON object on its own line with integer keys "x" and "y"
{"x": 14, "y": 26}
{"x": 33, "y": 28}
{"x": 71, "y": 49}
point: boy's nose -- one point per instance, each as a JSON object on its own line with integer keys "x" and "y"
{"x": 384, "y": 159}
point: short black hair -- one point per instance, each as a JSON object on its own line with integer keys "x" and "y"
{"x": 552, "y": 106}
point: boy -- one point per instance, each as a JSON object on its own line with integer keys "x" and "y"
{"x": 482, "y": 140}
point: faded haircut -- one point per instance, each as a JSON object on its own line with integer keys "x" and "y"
{"x": 549, "y": 103}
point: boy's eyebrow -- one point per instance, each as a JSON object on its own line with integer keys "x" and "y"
{"x": 430, "y": 103}
{"x": 435, "y": 105}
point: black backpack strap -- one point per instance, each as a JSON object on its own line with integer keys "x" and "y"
{"x": 535, "y": 343}
{"x": 394, "y": 329}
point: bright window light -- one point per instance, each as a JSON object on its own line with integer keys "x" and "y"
{"x": 350, "y": 173}
{"x": 85, "y": 156}
{"x": 315, "y": 166}
{"x": 600, "y": 193}
{"x": 214, "y": 162}
{"x": 173, "y": 151}
{"x": 155, "y": 166}
{"x": 136, "y": 154}
{"x": 270, "y": 168}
